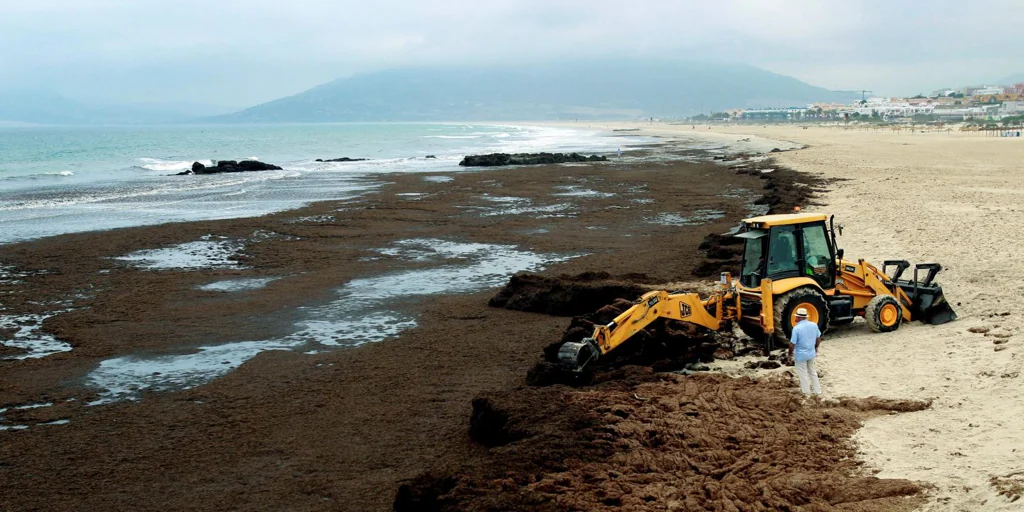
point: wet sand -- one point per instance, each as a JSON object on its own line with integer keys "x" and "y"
{"x": 338, "y": 429}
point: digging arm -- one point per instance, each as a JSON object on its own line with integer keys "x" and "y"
{"x": 687, "y": 307}
{"x": 654, "y": 305}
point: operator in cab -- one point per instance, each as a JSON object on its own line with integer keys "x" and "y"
{"x": 803, "y": 349}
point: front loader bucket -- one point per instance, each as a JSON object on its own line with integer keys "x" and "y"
{"x": 929, "y": 304}
{"x": 932, "y": 307}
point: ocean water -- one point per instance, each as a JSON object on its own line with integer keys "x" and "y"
{"x": 61, "y": 180}
{"x": 362, "y": 312}
{"x": 56, "y": 180}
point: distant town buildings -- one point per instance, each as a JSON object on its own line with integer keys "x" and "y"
{"x": 984, "y": 104}
{"x": 1012, "y": 108}
{"x": 989, "y": 90}
{"x": 772, "y": 114}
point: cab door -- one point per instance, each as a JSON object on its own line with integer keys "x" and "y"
{"x": 817, "y": 259}
{"x": 783, "y": 253}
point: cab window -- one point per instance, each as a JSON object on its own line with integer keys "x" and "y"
{"x": 782, "y": 255}
{"x": 753, "y": 260}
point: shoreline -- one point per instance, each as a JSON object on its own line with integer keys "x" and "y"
{"x": 885, "y": 443}
{"x": 127, "y": 250}
{"x": 94, "y": 190}
{"x": 405, "y": 399}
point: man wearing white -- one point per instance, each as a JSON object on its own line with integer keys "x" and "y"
{"x": 803, "y": 348}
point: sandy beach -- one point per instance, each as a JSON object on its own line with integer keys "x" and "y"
{"x": 386, "y": 423}
{"x": 952, "y": 198}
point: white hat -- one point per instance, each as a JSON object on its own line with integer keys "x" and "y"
{"x": 801, "y": 312}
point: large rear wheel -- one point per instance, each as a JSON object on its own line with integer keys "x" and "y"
{"x": 786, "y": 305}
{"x": 884, "y": 313}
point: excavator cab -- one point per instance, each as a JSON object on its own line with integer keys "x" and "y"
{"x": 787, "y": 251}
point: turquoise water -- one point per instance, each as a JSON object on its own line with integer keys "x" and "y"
{"x": 70, "y": 179}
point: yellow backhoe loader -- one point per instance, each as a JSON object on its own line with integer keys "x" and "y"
{"x": 790, "y": 261}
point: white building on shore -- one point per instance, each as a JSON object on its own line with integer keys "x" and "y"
{"x": 964, "y": 113}
{"x": 1012, "y": 108}
{"x": 886, "y": 108}
{"x": 989, "y": 90}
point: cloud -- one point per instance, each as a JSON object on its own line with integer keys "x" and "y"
{"x": 245, "y": 51}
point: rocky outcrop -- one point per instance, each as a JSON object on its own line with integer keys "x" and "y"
{"x": 343, "y": 159}
{"x": 499, "y": 159}
{"x": 230, "y": 166}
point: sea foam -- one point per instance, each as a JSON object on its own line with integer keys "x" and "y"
{"x": 155, "y": 164}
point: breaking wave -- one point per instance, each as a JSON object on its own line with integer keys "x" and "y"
{"x": 155, "y": 164}
{"x": 38, "y": 176}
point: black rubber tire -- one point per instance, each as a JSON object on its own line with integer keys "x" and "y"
{"x": 873, "y": 311}
{"x": 785, "y": 305}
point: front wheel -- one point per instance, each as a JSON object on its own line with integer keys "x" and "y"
{"x": 883, "y": 313}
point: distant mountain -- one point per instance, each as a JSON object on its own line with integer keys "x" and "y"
{"x": 1012, "y": 79}
{"x": 37, "y": 106}
{"x": 605, "y": 89}
{"x": 47, "y": 107}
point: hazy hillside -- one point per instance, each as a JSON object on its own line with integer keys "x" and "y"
{"x": 1012, "y": 79}
{"x": 48, "y": 107}
{"x": 612, "y": 88}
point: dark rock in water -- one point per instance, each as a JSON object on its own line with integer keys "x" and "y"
{"x": 775, "y": 150}
{"x": 343, "y": 159}
{"x": 430, "y": 156}
{"x": 230, "y": 166}
{"x": 499, "y": 159}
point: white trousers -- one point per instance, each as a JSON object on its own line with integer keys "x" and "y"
{"x": 808, "y": 377}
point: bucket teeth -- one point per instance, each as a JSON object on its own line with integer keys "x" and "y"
{"x": 932, "y": 306}
{"x": 939, "y": 313}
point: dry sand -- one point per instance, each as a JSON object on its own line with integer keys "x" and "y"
{"x": 953, "y": 198}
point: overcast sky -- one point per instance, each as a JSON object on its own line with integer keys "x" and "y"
{"x": 241, "y": 52}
